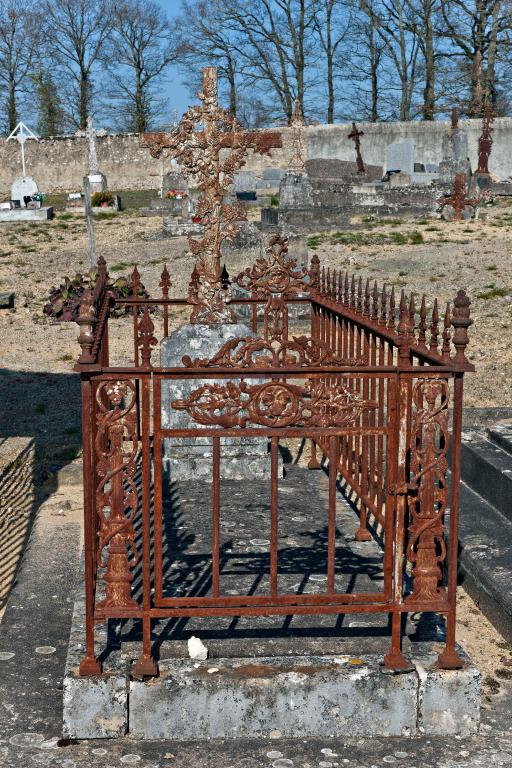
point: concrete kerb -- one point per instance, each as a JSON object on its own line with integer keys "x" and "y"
{"x": 297, "y": 696}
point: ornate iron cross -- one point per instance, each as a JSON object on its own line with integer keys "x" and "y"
{"x": 197, "y": 144}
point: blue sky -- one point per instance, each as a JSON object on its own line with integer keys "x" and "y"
{"x": 178, "y": 95}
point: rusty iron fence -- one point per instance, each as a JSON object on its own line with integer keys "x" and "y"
{"x": 370, "y": 385}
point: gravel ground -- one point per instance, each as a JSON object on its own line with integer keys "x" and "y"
{"x": 426, "y": 256}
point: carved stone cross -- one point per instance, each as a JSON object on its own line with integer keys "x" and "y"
{"x": 355, "y": 135}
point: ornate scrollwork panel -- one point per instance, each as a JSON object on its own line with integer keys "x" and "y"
{"x": 426, "y": 548}
{"x": 274, "y": 404}
{"x": 248, "y": 352}
{"x": 116, "y": 446}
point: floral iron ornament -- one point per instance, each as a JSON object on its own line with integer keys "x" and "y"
{"x": 274, "y": 404}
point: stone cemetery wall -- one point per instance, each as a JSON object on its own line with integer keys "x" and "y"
{"x": 59, "y": 164}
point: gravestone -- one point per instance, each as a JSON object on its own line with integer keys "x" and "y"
{"x": 400, "y": 156}
{"x": 295, "y": 191}
{"x": 173, "y": 180}
{"x": 22, "y": 188}
{"x": 190, "y": 458}
{"x": 244, "y": 181}
{"x": 455, "y": 153}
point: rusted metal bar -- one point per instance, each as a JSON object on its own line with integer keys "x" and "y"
{"x": 215, "y": 515}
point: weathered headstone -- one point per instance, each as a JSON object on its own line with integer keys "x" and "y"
{"x": 244, "y": 181}
{"x": 400, "y": 156}
{"x": 190, "y": 458}
{"x": 22, "y": 188}
{"x": 455, "y": 153}
{"x": 295, "y": 190}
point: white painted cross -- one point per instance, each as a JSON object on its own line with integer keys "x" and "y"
{"x": 21, "y": 133}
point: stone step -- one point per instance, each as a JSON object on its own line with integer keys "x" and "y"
{"x": 501, "y": 435}
{"x": 487, "y": 469}
{"x": 485, "y": 537}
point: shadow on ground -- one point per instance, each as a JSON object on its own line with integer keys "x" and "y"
{"x": 44, "y": 410}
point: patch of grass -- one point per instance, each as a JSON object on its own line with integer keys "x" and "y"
{"x": 493, "y": 684}
{"x": 492, "y": 268}
{"x": 28, "y": 248}
{"x": 66, "y": 358}
{"x": 416, "y": 237}
{"x": 504, "y": 674}
{"x": 314, "y": 241}
{"x": 62, "y": 225}
{"x": 492, "y": 293}
{"x": 398, "y": 238}
{"x": 432, "y": 229}
{"x": 65, "y": 216}
{"x": 105, "y": 215}
{"x": 121, "y": 266}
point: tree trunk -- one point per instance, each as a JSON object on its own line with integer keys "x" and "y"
{"x": 232, "y": 86}
{"x": 330, "y": 68}
{"x": 374, "y": 64}
{"x": 141, "y": 125}
{"x": 83, "y": 107}
{"x": 430, "y": 74}
{"x": 12, "y": 112}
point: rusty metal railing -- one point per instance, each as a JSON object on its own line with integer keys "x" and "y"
{"x": 370, "y": 386}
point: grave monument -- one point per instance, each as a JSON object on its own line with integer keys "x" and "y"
{"x": 26, "y": 202}
{"x": 97, "y": 180}
{"x": 455, "y": 153}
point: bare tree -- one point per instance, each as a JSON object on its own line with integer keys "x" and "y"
{"x": 477, "y": 30}
{"x": 333, "y": 22}
{"x": 207, "y": 42}
{"x": 138, "y": 51}
{"x": 272, "y": 40}
{"x": 75, "y": 33}
{"x": 395, "y": 27}
{"x": 18, "y": 47}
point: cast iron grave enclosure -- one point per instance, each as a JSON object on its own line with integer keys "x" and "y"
{"x": 369, "y": 384}
{"x": 368, "y": 380}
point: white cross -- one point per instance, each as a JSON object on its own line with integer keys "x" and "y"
{"x": 21, "y": 133}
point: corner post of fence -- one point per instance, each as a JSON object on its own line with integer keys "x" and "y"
{"x": 90, "y": 664}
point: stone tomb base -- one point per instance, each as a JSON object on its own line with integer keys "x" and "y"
{"x": 293, "y": 696}
{"x": 27, "y": 214}
{"x": 190, "y": 458}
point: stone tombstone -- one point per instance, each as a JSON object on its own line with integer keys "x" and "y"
{"x": 174, "y": 180}
{"x": 455, "y": 155}
{"x": 190, "y": 458}
{"x": 97, "y": 182}
{"x": 329, "y": 168}
{"x": 23, "y": 187}
{"x": 295, "y": 191}
{"x": 270, "y": 217}
{"x": 244, "y": 181}
{"x": 273, "y": 174}
{"x": 400, "y": 156}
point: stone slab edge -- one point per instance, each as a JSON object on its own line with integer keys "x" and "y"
{"x": 250, "y": 697}
{"x": 93, "y": 707}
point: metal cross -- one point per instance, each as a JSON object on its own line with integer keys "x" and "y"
{"x": 355, "y": 135}
{"x": 21, "y": 133}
